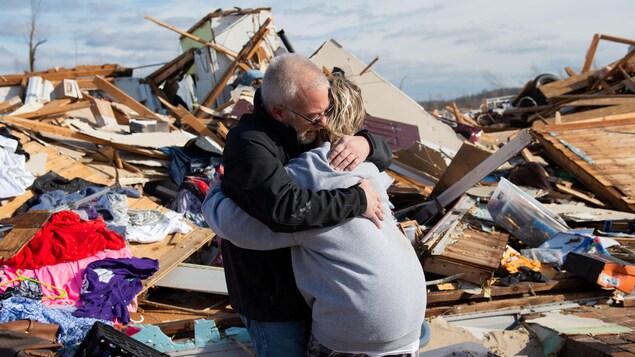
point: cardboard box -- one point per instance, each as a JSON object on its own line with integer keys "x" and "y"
{"x": 604, "y": 270}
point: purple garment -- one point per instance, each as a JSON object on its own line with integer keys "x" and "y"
{"x": 110, "y": 285}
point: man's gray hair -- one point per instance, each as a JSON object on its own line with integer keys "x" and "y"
{"x": 286, "y": 75}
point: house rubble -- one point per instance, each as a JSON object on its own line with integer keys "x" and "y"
{"x": 494, "y": 202}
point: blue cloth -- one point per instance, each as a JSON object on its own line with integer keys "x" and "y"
{"x": 271, "y": 339}
{"x": 57, "y": 198}
{"x": 73, "y": 330}
{"x": 110, "y": 285}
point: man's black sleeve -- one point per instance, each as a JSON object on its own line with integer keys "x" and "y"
{"x": 380, "y": 152}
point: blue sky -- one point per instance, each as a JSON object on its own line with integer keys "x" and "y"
{"x": 432, "y": 49}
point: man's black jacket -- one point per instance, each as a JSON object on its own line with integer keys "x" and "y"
{"x": 261, "y": 283}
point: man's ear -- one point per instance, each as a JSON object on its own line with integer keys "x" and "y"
{"x": 278, "y": 113}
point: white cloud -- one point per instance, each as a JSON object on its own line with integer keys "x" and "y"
{"x": 434, "y": 49}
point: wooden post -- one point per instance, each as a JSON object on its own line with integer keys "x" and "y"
{"x": 124, "y": 98}
{"x": 215, "y": 46}
{"x": 590, "y": 54}
{"x": 372, "y": 63}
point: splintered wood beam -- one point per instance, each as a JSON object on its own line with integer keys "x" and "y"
{"x": 625, "y": 41}
{"x": 570, "y": 71}
{"x": 628, "y": 81}
{"x": 69, "y": 133}
{"x": 172, "y": 68}
{"x": 463, "y": 118}
{"x": 580, "y": 195}
{"x": 215, "y": 46}
{"x": 509, "y": 150}
{"x": 182, "y": 33}
{"x": 590, "y": 54}
{"x": 245, "y": 53}
{"x": 124, "y": 98}
{"x": 615, "y": 68}
{"x": 194, "y": 122}
{"x": 10, "y": 104}
{"x": 372, "y": 63}
{"x": 57, "y": 74}
{"x": 56, "y": 107}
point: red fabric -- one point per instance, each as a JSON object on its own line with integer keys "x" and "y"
{"x": 65, "y": 238}
{"x": 202, "y": 185}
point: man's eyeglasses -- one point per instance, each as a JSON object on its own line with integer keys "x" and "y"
{"x": 315, "y": 119}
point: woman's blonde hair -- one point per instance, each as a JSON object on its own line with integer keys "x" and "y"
{"x": 347, "y": 115}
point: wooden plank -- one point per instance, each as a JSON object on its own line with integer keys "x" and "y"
{"x": 69, "y": 133}
{"x": 56, "y": 107}
{"x": 493, "y": 305}
{"x": 172, "y": 68}
{"x": 58, "y": 73}
{"x": 10, "y": 104}
{"x": 215, "y": 46}
{"x": 102, "y": 111}
{"x": 63, "y": 165}
{"x": 124, "y": 98}
{"x": 597, "y": 113}
{"x": 609, "y": 145}
{"x": 465, "y": 160}
{"x": 590, "y": 54}
{"x": 580, "y": 195}
{"x": 448, "y": 296}
{"x": 474, "y": 254}
{"x": 490, "y": 164}
{"x": 614, "y": 69}
{"x": 194, "y": 123}
{"x": 625, "y": 41}
{"x": 26, "y": 225}
{"x": 169, "y": 255}
{"x": 444, "y": 266}
{"x": 564, "y": 86}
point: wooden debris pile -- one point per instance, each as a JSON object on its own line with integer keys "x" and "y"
{"x": 101, "y": 124}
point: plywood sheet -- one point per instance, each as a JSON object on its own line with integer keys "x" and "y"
{"x": 600, "y": 154}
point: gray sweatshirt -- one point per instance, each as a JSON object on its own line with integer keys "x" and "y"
{"x": 365, "y": 285}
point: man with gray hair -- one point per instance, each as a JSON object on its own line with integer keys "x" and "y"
{"x": 289, "y": 111}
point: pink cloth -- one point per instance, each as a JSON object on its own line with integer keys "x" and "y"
{"x": 68, "y": 276}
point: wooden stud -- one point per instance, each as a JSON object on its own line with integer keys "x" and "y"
{"x": 124, "y": 98}
{"x": 56, "y": 107}
{"x": 590, "y": 54}
{"x": 69, "y": 133}
{"x": 367, "y": 68}
{"x": 10, "y": 104}
{"x": 194, "y": 122}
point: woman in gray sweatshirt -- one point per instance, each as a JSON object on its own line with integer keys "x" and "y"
{"x": 364, "y": 284}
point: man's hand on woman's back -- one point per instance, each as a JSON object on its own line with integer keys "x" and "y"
{"x": 374, "y": 210}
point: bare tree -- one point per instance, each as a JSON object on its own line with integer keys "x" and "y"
{"x": 34, "y": 42}
{"x": 494, "y": 80}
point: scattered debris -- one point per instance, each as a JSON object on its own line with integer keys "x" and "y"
{"x": 485, "y": 242}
